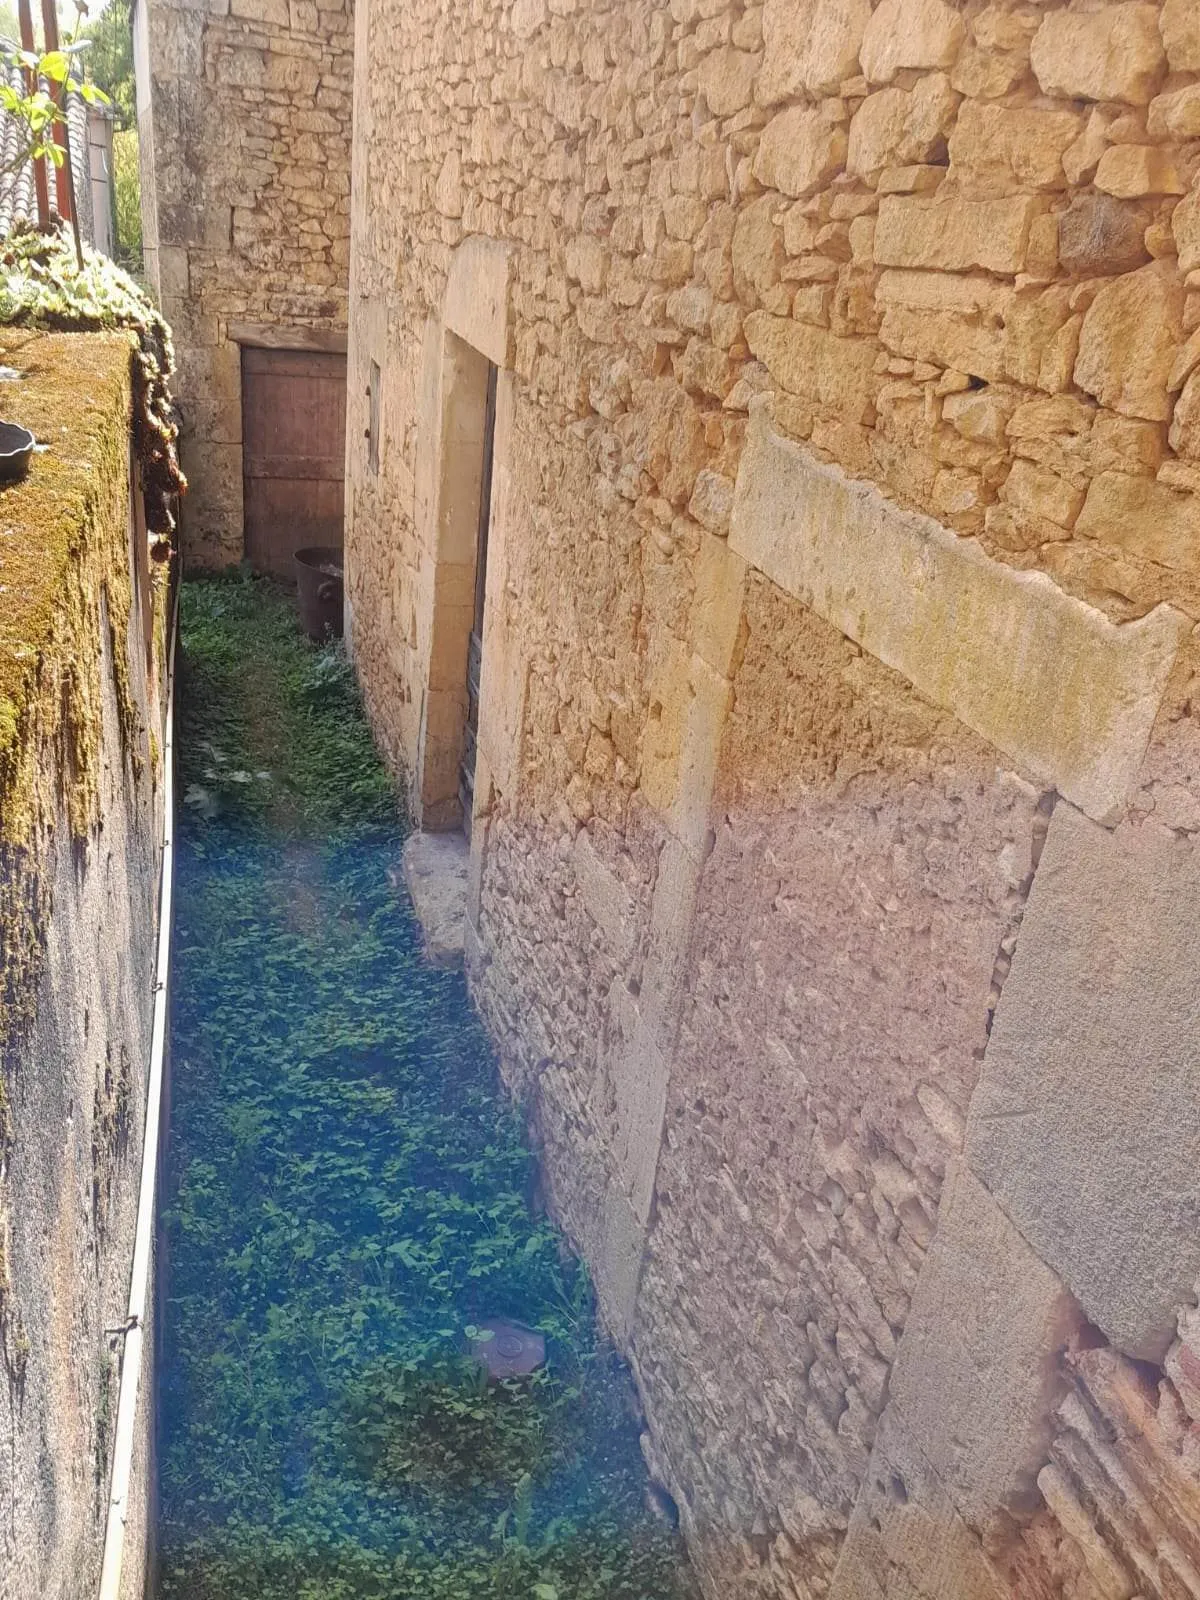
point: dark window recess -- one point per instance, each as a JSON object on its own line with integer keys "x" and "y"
{"x": 373, "y": 418}
{"x": 466, "y": 771}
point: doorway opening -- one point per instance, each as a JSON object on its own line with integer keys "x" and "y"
{"x": 466, "y": 768}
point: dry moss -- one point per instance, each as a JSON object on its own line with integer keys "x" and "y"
{"x": 63, "y": 562}
{"x": 64, "y": 578}
{"x": 44, "y": 286}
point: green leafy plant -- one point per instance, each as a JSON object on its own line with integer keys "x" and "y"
{"x": 38, "y": 108}
{"x": 127, "y": 199}
{"x": 110, "y": 59}
{"x": 43, "y": 286}
{"x": 444, "y": 1426}
{"x": 347, "y": 1199}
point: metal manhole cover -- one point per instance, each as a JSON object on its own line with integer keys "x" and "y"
{"x": 511, "y": 1351}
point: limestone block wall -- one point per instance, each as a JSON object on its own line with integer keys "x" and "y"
{"x": 82, "y": 631}
{"x": 837, "y": 781}
{"x": 244, "y": 124}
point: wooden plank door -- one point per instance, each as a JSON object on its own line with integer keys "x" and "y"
{"x": 293, "y": 451}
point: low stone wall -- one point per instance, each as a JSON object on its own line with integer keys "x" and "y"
{"x": 838, "y": 770}
{"x": 81, "y": 652}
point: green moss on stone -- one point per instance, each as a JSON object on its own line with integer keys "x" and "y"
{"x": 64, "y": 533}
{"x": 64, "y": 583}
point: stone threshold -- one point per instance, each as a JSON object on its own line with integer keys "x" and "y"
{"x": 435, "y": 874}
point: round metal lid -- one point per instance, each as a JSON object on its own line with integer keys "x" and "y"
{"x": 507, "y": 1349}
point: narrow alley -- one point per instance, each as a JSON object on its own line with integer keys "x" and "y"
{"x": 349, "y": 1200}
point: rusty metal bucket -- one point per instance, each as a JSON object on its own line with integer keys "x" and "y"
{"x": 320, "y": 590}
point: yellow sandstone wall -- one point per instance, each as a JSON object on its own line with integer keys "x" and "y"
{"x": 244, "y": 134}
{"x": 832, "y": 859}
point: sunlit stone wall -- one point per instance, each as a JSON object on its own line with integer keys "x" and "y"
{"x": 244, "y": 133}
{"x": 832, "y": 848}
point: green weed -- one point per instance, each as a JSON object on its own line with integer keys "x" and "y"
{"x": 346, "y": 1198}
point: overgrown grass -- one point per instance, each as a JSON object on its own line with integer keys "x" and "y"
{"x": 127, "y": 200}
{"x": 348, "y": 1194}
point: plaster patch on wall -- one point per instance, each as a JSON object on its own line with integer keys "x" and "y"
{"x": 1049, "y": 680}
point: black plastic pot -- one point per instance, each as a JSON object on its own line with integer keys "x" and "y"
{"x": 320, "y": 590}
{"x": 16, "y": 448}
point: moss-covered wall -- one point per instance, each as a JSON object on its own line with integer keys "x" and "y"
{"x": 80, "y": 704}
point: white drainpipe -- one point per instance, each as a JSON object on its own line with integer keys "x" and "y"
{"x": 143, "y": 1239}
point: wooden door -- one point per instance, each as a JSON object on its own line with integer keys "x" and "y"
{"x": 293, "y": 445}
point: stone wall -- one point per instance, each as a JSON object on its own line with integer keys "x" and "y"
{"x": 837, "y": 776}
{"x": 82, "y": 632}
{"x": 244, "y": 124}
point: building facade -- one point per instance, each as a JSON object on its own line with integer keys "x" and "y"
{"x": 244, "y": 137}
{"x": 772, "y": 531}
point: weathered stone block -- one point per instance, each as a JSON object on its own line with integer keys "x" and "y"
{"x": 727, "y": 80}
{"x": 1086, "y": 1124}
{"x": 435, "y": 874}
{"x": 954, "y": 235}
{"x": 1185, "y": 225}
{"x": 757, "y": 251}
{"x": 910, "y": 33}
{"x": 1145, "y": 517}
{"x": 712, "y": 501}
{"x": 1185, "y": 430}
{"x": 989, "y": 643}
{"x": 1007, "y": 148}
{"x": 980, "y": 415}
{"x": 1100, "y": 237}
{"x": 906, "y": 1540}
{"x": 897, "y": 127}
{"x": 1128, "y": 342}
{"x": 968, "y": 337}
{"x": 605, "y": 899}
{"x": 976, "y": 1372}
{"x": 663, "y": 990}
{"x": 809, "y": 45}
{"x": 809, "y": 361}
{"x": 638, "y": 1073}
{"x": 527, "y": 16}
{"x": 1038, "y": 492}
{"x": 1132, "y": 170}
{"x": 616, "y": 1260}
{"x": 273, "y": 12}
{"x": 212, "y": 377}
{"x": 1180, "y": 25}
{"x": 717, "y": 602}
{"x": 799, "y": 151}
{"x": 708, "y": 700}
{"x": 1114, "y": 53}
{"x": 1175, "y": 115}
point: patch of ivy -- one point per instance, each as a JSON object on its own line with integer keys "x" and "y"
{"x": 43, "y": 286}
{"x": 348, "y": 1195}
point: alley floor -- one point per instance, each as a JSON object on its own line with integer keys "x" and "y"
{"x": 349, "y": 1200}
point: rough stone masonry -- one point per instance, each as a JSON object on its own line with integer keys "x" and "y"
{"x": 244, "y": 136}
{"x": 833, "y": 866}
